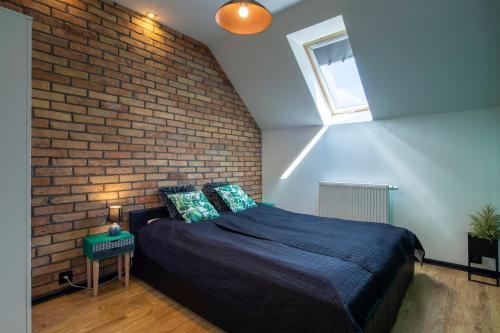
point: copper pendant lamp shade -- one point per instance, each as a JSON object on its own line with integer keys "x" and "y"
{"x": 243, "y": 17}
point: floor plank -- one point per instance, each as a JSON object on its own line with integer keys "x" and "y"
{"x": 443, "y": 300}
{"x": 438, "y": 300}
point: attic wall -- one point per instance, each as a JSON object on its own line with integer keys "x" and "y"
{"x": 446, "y": 166}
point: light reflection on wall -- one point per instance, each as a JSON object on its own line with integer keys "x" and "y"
{"x": 304, "y": 152}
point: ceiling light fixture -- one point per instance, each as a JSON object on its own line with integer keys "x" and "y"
{"x": 151, "y": 15}
{"x": 243, "y": 17}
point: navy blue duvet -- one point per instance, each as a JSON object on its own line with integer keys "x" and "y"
{"x": 298, "y": 273}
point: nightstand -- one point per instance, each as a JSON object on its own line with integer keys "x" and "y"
{"x": 102, "y": 246}
{"x": 268, "y": 204}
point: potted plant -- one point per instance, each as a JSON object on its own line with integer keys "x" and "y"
{"x": 484, "y": 235}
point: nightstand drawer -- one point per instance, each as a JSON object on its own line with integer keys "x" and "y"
{"x": 111, "y": 249}
{"x": 104, "y": 246}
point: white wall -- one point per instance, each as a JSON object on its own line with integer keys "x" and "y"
{"x": 15, "y": 168}
{"x": 446, "y": 165}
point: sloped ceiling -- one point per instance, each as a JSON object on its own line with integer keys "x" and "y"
{"x": 414, "y": 57}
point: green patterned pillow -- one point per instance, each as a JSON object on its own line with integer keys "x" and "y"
{"x": 193, "y": 206}
{"x": 235, "y": 197}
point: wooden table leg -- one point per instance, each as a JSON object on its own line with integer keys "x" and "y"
{"x": 95, "y": 270}
{"x": 120, "y": 267}
{"x": 89, "y": 273}
{"x": 127, "y": 268}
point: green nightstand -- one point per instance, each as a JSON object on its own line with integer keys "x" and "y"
{"x": 269, "y": 204}
{"x": 102, "y": 246}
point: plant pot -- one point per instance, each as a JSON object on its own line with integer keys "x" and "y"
{"x": 480, "y": 247}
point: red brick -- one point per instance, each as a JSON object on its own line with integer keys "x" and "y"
{"x": 40, "y": 220}
{"x": 70, "y": 18}
{"x": 53, "y": 190}
{"x": 102, "y": 196}
{"x": 83, "y": 14}
{"x": 54, "y": 171}
{"x": 71, "y": 72}
{"x": 87, "y": 85}
{"x": 86, "y": 189}
{"x": 58, "y": 218}
{"x": 50, "y": 268}
{"x": 117, "y": 187}
{"x": 89, "y": 205}
{"x": 49, "y": 152}
{"x": 89, "y": 120}
{"x": 69, "y": 145}
{"x": 131, "y": 178}
{"x": 103, "y": 146}
{"x": 85, "y": 137}
{"x": 45, "y": 133}
{"x": 104, "y": 179}
{"x": 85, "y": 154}
{"x": 54, "y": 209}
{"x": 51, "y": 96}
{"x": 98, "y": 213}
{"x": 39, "y": 181}
{"x": 40, "y": 103}
{"x": 89, "y": 171}
{"x": 39, "y": 241}
{"x": 68, "y": 199}
{"x": 51, "y": 229}
{"x": 66, "y": 255}
{"x": 70, "y": 180}
{"x": 68, "y": 162}
{"x": 68, "y": 107}
{"x": 48, "y": 76}
{"x": 118, "y": 171}
{"x": 67, "y": 126}
{"x": 69, "y": 90}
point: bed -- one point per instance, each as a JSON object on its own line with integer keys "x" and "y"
{"x": 270, "y": 270}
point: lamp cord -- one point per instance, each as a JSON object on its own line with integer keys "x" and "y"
{"x": 102, "y": 284}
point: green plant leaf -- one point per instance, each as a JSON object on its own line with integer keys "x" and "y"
{"x": 486, "y": 223}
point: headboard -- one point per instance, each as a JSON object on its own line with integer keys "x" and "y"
{"x": 139, "y": 218}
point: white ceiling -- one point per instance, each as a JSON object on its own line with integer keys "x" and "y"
{"x": 194, "y": 18}
{"x": 414, "y": 57}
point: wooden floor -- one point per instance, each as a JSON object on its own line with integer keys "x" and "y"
{"x": 438, "y": 300}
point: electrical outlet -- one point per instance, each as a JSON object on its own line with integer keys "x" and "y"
{"x": 62, "y": 275}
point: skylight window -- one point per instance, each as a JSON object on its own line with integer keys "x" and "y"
{"x": 326, "y": 60}
{"x": 335, "y": 68}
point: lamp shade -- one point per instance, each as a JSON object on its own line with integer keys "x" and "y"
{"x": 115, "y": 213}
{"x": 243, "y": 17}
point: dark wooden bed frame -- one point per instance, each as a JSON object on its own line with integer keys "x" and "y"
{"x": 381, "y": 318}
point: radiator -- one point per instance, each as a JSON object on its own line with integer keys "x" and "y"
{"x": 357, "y": 202}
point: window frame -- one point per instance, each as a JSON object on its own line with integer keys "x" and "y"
{"x": 309, "y": 48}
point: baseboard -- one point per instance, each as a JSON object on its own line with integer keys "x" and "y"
{"x": 68, "y": 290}
{"x": 446, "y": 264}
{"x": 461, "y": 267}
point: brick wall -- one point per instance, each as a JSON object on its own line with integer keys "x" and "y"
{"x": 121, "y": 106}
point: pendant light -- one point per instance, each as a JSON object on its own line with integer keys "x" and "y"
{"x": 243, "y": 17}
